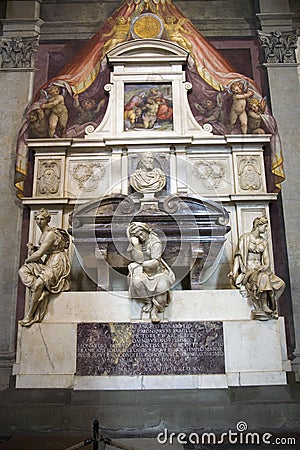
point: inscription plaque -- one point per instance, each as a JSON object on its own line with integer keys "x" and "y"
{"x": 173, "y": 348}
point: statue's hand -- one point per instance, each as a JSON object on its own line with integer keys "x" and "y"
{"x": 31, "y": 248}
{"x": 262, "y": 269}
{"x": 135, "y": 241}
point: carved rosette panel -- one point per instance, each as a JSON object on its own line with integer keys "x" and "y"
{"x": 18, "y": 53}
{"x": 87, "y": 175}
{"x": 48, "y": 177}
{"x": 278, "y": 47}
{"x": 209, "y": 173}
{"x": 249, "y": 173}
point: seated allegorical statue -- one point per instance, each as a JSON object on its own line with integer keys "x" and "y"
{"x": 252, "y": 273}
{"x": 47, "y": 268}
{"x": 147, "y": 178}
{"x": 150, "y": 278}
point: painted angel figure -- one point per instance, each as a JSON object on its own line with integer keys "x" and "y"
{"x": 118, "y": 33}
{"x": 257, "y": 107}
{"x": 175, "y": 31}
{"x": 240, "y": 93}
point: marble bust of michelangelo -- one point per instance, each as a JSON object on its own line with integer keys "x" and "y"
{"x": 147, "y": 178}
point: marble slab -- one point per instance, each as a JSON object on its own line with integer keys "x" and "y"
{"x": 176, "y": 348}
{"x": 254, "y": 352}
{"x": 206, "y": 305}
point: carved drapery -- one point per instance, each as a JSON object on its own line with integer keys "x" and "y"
{"x": 18, "y": 53}
{"x": 278, "y": 47}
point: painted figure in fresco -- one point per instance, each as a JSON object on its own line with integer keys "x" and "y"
{"x": 57, "y": 110}
{"x": 256, "y": 108}
{"x": 87, "y": 110}
{"x": 165, "y": 111}
{"x": 150, "y": 111}
{"x": 133, "y": 110}
{"x": 47, "y": 268}
{"x": 174, "y": 30}
{"x": 240, "y": 94}
{"x": 119, "y": 33}
{"x": 38, "y": 124}
{"x": 210, "y": 109}
{"x": 252, "y": 273}
{"x": 146, "y": 177}
{"x": 150, "y": 278}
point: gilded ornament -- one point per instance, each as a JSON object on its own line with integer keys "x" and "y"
{"x": 147, "y": 26}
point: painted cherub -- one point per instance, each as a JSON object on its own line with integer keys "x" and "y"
{"x": 38, "y": 124}
{"x": 211, "y": 110}
{"x": 174, "y": 30}
{"x": 256, "y": 108}
{"x": 87, "y": 109}
{"x": 240, "y": 93}
{"x": 118, "y": 33}
{"x": 57, "y": 110}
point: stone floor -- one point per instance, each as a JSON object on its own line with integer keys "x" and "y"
{"x": 66, "y": 442}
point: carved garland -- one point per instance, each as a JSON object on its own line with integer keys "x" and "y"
{"x": 88, "y": 175}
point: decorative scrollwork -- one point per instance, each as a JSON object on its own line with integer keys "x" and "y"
{"x": 48, "y": 177}
{"x": 188, "y": 86}
{"x": 89, "y": 129}
{"x": 207, "y": 127}
{"x": 108, "y": 87}
{"x": 18, "y": 53}
{"x": 278, "y": 47}
{"x": 209, "y": 172}
{"x": 171, "y": 204}
{"x": 249, "y": 172}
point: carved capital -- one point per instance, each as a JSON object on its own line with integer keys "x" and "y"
{"x": 278, "y": 47}
{"x": 18, "y": 53}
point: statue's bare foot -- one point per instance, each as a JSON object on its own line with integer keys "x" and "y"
{"x": 147, "y": 308}
{"x": 27, "y": 321}
{"x": 153, "y": 316}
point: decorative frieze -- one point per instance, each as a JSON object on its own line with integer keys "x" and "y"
{"x": 278, "y": 47}
{"x": 210, "y": 172}
{"x": 87, "y": 177}
{"x": 18, "y": 53}
{"x": 210, "y": 176}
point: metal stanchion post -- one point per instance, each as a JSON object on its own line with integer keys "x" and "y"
{"x": 95, "y": 435}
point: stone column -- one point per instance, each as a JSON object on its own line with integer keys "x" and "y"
{"x": 18, "y": 45}
{"x": 278, "y": 40}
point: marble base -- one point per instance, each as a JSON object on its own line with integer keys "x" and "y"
{"x": 254, "y": 351}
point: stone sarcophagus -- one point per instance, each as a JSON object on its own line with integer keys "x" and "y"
{"x": 191, "y": 229}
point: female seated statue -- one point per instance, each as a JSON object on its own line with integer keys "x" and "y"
{"x": 47, "y": 268}
{"x": 252, "y": 273}
{"x": 150, "y": 278}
